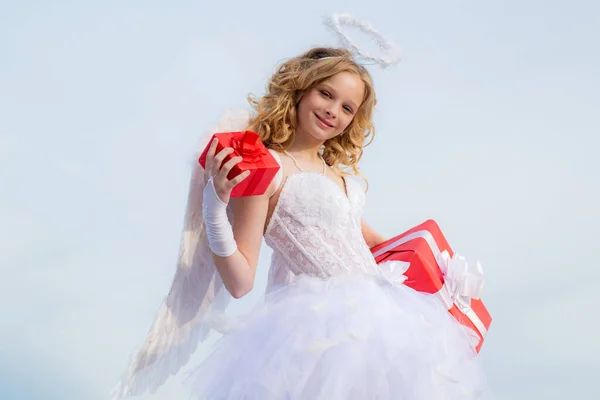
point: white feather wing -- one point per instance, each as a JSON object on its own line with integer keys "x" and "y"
{"x": 197, "y": 297}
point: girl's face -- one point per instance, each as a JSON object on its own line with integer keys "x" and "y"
{"x": 327, "y": 109}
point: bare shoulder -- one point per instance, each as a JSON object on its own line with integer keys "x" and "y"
{"x": 287, "y": 168}
{"x": 285, "y": 163}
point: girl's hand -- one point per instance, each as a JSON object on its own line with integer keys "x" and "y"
{"x": 223, "y": 186}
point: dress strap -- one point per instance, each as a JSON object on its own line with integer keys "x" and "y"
{"x": 298, "y": 165}
{"x": 279, "y": 176}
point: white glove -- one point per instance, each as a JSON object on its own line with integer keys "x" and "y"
{"x": 218, "y": 228}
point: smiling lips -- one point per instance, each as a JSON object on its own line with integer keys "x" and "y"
{"x": 325, "y": 122}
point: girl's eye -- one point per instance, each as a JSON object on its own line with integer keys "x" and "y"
{"x": 325, "y": 93}
{"x": 348, "y": 109}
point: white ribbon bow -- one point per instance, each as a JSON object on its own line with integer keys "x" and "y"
{"x": 462, "y": 282}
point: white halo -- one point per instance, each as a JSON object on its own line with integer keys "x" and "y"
{"x": 391, "y": 53}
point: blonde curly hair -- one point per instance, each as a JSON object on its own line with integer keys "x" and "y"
{"x": 275, "y": 112}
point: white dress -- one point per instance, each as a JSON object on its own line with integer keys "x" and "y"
{"x": 334, "y": 325}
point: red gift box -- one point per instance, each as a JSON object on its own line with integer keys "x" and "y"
{"x": 434, "y": 268}
{"x": 255, "y": 158}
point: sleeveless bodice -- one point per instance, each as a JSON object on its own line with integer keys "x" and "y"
{"x": 315, "y": 229}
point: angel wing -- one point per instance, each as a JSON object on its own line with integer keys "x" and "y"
{"x": 197, "y": 298}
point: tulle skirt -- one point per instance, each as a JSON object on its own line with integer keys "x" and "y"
{"x": 347, "y": 338}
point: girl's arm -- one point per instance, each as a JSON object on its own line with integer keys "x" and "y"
{"x": 371, "y": 236}
{"x": 239, "y": 269}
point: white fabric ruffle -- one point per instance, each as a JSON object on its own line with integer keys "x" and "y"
{"x": 350, "y": 337}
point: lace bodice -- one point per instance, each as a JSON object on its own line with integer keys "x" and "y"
{"x": 315, "y": 229}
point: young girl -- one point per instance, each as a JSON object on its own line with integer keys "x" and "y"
{"x": 333, "y": 325}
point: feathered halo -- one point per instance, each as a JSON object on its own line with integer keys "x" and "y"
{"x": 390, "y": 52}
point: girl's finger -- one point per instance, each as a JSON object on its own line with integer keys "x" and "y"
{"x": 222, "y": 154}
{"x": 210, "y": 154}
{"x": 218, "y": 160}
{"x": 229, "y": 165}
{"x": 238, "y": 179}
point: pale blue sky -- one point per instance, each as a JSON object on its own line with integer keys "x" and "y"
{"x": 490, "y": 125}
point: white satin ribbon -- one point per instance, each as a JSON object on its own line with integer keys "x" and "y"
{"x": 462, "y": 281}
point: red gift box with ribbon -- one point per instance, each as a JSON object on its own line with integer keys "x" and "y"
{"x": 255, "y": 158}
{"x": 434, "y": 268}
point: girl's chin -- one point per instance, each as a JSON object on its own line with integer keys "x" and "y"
{"x": 320, "y": 136}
